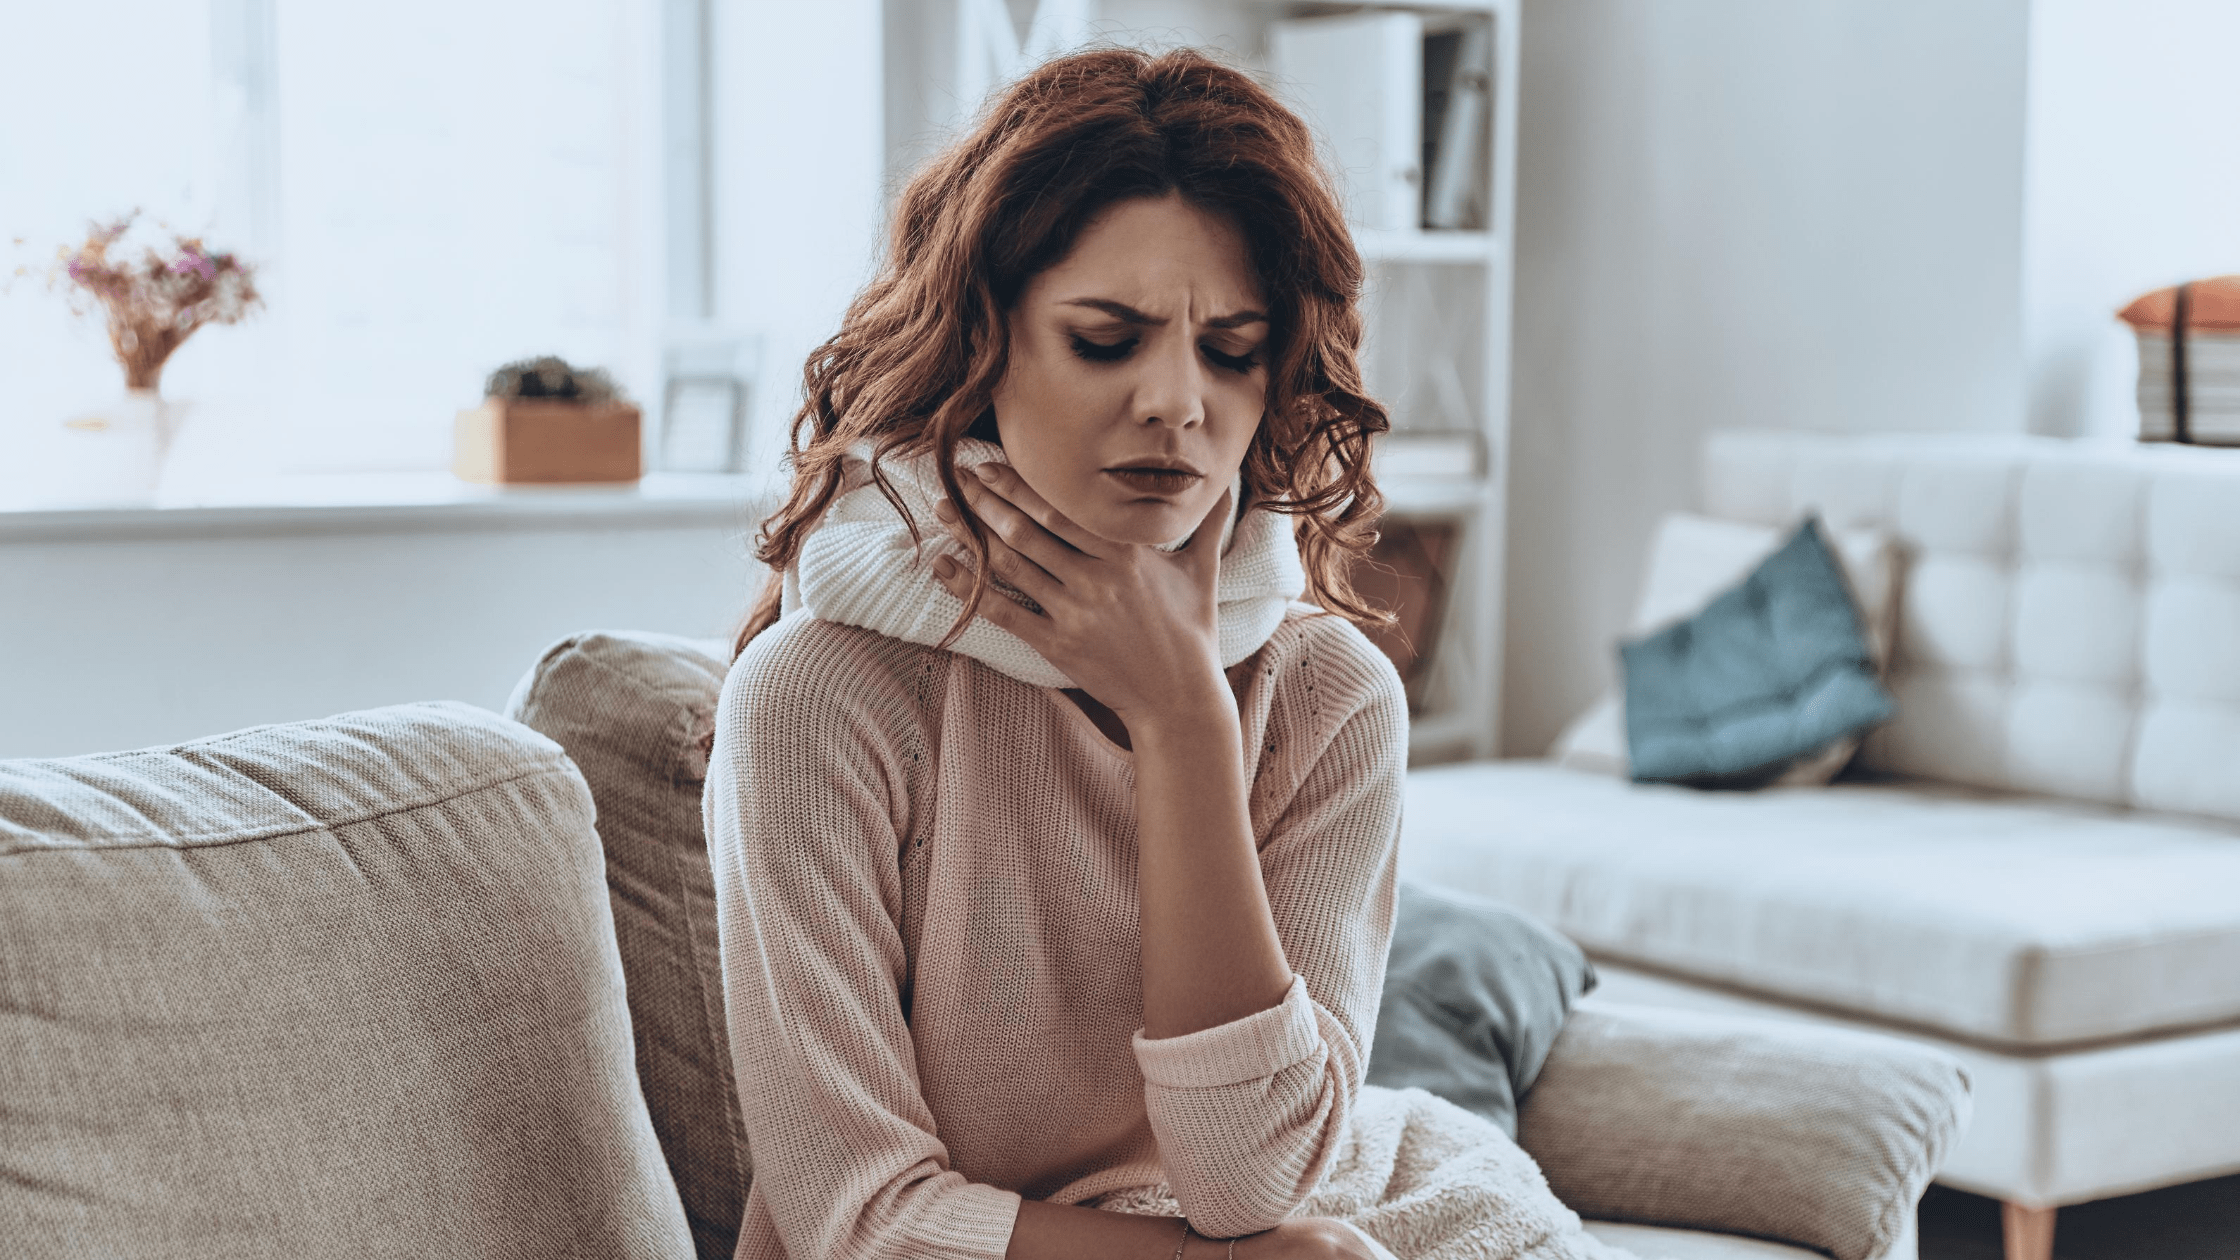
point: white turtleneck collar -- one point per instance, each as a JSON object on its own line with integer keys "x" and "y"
{"x": 859, "y": 567}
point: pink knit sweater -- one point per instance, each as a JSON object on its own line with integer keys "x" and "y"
{"x": 926, "y": 879}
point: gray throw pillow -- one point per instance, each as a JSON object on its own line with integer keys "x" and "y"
{"x": 1474, "y": 996}
{"x": 1768, "y": 673}
{"x": 334, "y": 988}
{"x": 634, "y": 712}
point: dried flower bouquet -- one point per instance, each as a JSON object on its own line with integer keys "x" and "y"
{"x": 153, "y": 303}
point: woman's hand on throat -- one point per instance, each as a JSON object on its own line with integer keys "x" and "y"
{"x": 1135, "y": 627}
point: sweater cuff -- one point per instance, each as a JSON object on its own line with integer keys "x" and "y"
{"x": 1249, "y": 1049}
{"x": 977, "y": 1221}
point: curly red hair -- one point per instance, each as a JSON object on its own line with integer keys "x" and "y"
{"x": 924, "y": 345}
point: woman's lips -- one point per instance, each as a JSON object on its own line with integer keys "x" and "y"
{"x": 1155, "y": 480}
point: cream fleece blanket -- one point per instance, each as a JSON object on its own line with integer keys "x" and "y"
{"x": 1430, "y": 1181}
{"x": 859, "y": 567}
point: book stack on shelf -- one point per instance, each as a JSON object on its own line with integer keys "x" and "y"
{"x": 2189, "y": 362}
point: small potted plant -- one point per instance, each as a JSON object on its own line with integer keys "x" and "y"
{"x": 151, "y": 299}
{"x": 541, "y": 421}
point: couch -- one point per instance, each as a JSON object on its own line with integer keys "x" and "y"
{"x": 2035, "y": 866}
{"x": 430, "y": 981}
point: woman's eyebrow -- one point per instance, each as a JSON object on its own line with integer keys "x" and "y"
{"x": 1127, "y": 314}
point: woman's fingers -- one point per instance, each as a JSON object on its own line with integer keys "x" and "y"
{"x": 995, "y": 607}
{"x": 1025, "y": 574}
{"x": 1007, "y": 524}
{"x": 1009, "y": 487}
{"x": 1007, "y": 561}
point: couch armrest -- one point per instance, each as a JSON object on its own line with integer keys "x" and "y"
{"x": 1811, "y": 1135}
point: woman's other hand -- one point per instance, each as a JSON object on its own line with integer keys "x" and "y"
{"x": 1134, "y": 626}
{"x": 1311, "y": 1238}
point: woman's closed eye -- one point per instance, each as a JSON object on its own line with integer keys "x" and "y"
{"x": 1240, "y": 363}
{"x": 1114, "y": 351}
{"x": 1103, "y": 352}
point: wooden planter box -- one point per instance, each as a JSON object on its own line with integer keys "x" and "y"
{"x": 512, "y": 441}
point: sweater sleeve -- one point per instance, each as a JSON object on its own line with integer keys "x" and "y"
{"x": 1249, "y": 1114}
{"x": 806, "y": 809}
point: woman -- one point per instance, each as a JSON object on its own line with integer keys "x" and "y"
{"x": 1054, "y": 840}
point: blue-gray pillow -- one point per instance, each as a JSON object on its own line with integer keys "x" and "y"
{"x": 1474, "y": 996}
{"x": 1770, "y": 672}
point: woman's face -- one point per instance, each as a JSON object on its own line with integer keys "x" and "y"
{"x": 1137, "y": 372}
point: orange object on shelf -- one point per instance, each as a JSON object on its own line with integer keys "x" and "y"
{"x": 535, "y": 441}
{"x": 2215, "y": 304}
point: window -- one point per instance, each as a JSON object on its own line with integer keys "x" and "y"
{"x": 430, "y": 188}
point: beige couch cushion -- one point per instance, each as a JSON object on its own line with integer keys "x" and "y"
{"x": 1654, "y": 1242}
{"x": 634, "y": 712}
{"x": 2048, "y": 1128}
{"x": 2013, "y": 921}
{"x": 334, "y": 988}
{"x": 1807, "y": 1135}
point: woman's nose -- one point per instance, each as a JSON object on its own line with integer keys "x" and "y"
{"x": 1172, "y": 389}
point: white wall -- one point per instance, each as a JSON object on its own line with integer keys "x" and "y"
{"x": 800, "y": 149}
{"x": 123, "y": 642}
{"x": 2133, "y": 182}
{"x": 1739, "y": 213}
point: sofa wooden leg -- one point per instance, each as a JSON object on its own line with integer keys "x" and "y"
{"x": 2029, "y": 1231}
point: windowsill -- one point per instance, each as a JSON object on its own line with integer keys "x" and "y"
{"x": 401, "y": 502}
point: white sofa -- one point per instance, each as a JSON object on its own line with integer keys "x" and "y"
{"x": 2042, "y": 874}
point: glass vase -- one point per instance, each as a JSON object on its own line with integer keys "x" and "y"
{"x": 113, "y": 455}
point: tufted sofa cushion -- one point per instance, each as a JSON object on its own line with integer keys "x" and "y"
{"x": 2022, "y": 923}
{"x": 2070, "y": 617}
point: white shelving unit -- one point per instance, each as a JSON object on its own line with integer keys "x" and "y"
{"x": 1439, "y": 298}
{"x": 1439, "y": 321}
